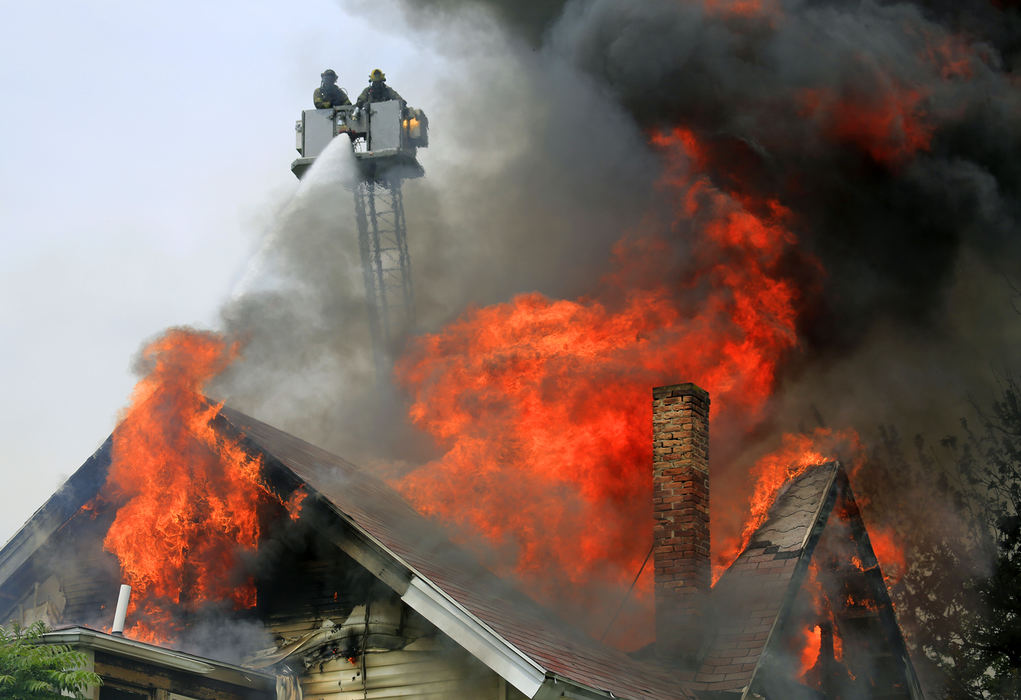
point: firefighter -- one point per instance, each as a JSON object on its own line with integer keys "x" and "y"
{"x": 378, "y": 91}
{"x": 328, "y": 95}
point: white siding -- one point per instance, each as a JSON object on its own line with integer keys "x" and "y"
{"x": 424, "y": 670}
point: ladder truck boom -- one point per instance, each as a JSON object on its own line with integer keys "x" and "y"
{"x": 384, "y": 137}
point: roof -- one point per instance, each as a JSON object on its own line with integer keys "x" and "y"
{"x": 753, "y": 590}
{"x": 446, "y": 584}
{"x": 754, "y": 600}
{"x": 80, "y": 487}
{"x": 517, "y": 638}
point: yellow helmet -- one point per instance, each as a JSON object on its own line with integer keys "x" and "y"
{"x": 377, "y": 76}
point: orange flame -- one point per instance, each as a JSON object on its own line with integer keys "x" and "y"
{"x": 811, "y": 638}
{"x": 742, "y": 8}
{"x": 953, "y": 56}
{"x": 890, "y": 553}
{"x": 810, "y": 651}
{"x": 797, "y": 453}
{"x": 189, "y": 497}
{"x": 293, "y": 504}
{"x": 542, "y": 406}
{"x": 890, "y": 126}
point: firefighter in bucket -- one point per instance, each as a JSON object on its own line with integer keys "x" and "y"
{"x": 378, "y": 91}
{"x": 413, "y": 121}
{"x": 328, "y": 95}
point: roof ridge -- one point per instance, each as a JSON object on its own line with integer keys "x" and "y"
{"x": 811, "y": 539}
{"x": 759, "y": 586}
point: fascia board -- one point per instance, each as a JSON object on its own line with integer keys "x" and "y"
{"x": 476, "y": 638}
{"x": 558, "y": 687}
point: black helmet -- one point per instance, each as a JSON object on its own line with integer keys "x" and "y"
{"x": 329, "y": 73}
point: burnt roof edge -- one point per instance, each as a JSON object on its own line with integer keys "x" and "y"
{"x": 823, "y": 510}
{"x": 840, "y": 484}
{"x": 82, "y": 486}
{"x": 874, "y": 576}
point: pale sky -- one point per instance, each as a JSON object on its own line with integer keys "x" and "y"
{"x": 145, "y": 150}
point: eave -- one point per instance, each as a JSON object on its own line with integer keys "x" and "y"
{"x": 84, "y": 638}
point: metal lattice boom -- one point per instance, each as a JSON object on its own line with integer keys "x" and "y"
{"x": 386, "y": 265}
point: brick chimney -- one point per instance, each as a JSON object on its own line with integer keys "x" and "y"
{"x": 680, "y": 497}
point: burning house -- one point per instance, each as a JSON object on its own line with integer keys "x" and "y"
{"x": 774, "y": 200}
{"x": 284, "y": 571}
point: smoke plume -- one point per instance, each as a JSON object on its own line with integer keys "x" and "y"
{"x": 501, "y": 211}
{"x": 882, "y": 134}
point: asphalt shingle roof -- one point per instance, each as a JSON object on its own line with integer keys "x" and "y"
{"x": 752, "y": 591}
{"x": 750, "y": 594}
{"x": 385, "y": 515}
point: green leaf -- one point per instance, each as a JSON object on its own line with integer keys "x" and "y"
{"x": 30, "y": 669}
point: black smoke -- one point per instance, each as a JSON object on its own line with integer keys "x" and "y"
{"x": 540, "y": 161}
{"x": 889, "y": 232}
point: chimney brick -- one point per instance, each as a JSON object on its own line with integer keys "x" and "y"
{"x": 680, "y": 495}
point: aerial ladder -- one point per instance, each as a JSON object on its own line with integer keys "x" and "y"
{"x": 385, "y": 137}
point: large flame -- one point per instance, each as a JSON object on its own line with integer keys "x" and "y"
{"x": 542, "y": 406}
{"x": 188, "y": 497}
{"x": 810, "y": 651}
{"x": 798, "y": 452}
{"x": 889, "y": 551}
